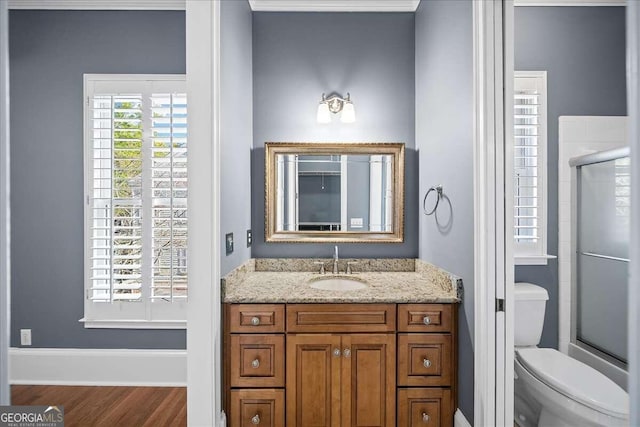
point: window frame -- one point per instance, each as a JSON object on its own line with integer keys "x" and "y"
{"x": 148, "y": 314}
{"x": 537, "y": 254}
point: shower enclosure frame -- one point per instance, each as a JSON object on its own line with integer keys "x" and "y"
{"x": 584, "y": 351}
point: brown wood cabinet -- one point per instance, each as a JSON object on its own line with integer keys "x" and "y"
{"x": 425, "y": 407}
{"x": 340, "y": 364}
{"x": 313, "y": 380}
{"x": 341, "y": 380}
{"x": 256, "y": 408}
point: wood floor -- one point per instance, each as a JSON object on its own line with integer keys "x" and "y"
{"x": 109, "y": 406}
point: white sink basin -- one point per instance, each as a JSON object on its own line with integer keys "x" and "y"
{"x": 337, "y": 283}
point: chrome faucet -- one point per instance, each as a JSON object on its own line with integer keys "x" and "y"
{"x": 335, "y": 259}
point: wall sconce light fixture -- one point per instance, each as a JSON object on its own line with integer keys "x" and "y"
{"x": 334, "y": 104}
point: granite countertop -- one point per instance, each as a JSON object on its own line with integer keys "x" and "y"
{"x": 266, "y": 280}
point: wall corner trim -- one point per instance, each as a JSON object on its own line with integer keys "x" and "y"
{"x": 98, "y": 367}
{"x": 459, "y": 420}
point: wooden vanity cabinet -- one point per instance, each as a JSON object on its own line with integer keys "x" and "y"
{"x": 427, "y": 364}
{"x": 254, "y": 364}
{"x": 344, "y": 364}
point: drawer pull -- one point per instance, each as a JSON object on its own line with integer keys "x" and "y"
{"x": 255, "y": 363}
{"x": 347, "y": 352}
{"x": 255, "y": 419}
{"x": 426, "y": 320}
{"x": 425, "y": 417}
{"x": 255, "y": 321}
{"x": 426, "y": 363}
{"x": 336, "y": 352}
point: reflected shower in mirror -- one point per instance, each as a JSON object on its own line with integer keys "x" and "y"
{"x": 334, "y": 193}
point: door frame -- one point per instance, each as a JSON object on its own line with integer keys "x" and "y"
{"x": 493, "y": 247}
{"x": 5, "y": 249}
{"x": 633, "y": 111}
{"x": 204, "y": 387}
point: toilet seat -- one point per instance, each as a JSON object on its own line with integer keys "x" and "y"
{"x": 575, "y": 380}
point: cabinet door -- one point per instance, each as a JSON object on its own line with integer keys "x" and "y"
{"x": 368, "y": 380}
{"x": 424, "y": 407}
{"x": 425, "y": 360}
{"x": 257, "y": 407}
{"x": 313, "y": 380}
{"x": 257, "y": 360}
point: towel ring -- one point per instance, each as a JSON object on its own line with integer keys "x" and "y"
{"x": 438, "y": 190}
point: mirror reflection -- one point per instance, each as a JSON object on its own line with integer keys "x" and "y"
{"x": 334, "y": 192}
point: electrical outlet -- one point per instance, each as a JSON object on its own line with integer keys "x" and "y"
{"x": 357, "y": 222}
{"x": 228, "y": 238}
{"x": 25, "y": 336}
{"x": 249, "y": 238}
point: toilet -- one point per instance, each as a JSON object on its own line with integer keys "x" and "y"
{"x": 551, "y": 388}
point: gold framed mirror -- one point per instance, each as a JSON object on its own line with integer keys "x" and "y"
{"x": 334, "y": 192}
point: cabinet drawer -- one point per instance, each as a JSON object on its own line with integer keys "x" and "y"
{"x": 262, "y": 407}
{"x": 257, "y": 360}
{"x": 425, "y": 317}
{"x": 425, "y": 360}
{"x": 341, "y": 318}
{"x": 424, "y": 407}
{"x": 256, "y": 318}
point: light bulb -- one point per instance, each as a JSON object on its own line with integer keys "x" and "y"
{"x": 324, "y": 116}
{"x": 348, "y": 113}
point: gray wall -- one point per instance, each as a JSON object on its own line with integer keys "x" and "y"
{"x": 583, "y": 51}
{"x": 297, "y": 57}
{"x": 49, "y": 52}
{"x": 444, "y": 140}
{"x": 236, "y": 131}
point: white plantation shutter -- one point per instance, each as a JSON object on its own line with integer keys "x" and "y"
{"x": 169, "y": 187}
{"x": 530, "y": 124}
{"x": 116, "y": 208}
{"x": 136, "y": 213}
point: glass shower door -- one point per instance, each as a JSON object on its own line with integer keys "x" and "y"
{"x": 602, "y": 257}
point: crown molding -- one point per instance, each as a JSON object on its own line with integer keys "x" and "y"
{"x": 570, "y": 2}
{"x": 334, "y": 5}
{"x": 277, "y": 5}
{"x": 98, "y": 4}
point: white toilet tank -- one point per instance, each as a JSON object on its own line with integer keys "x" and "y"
{"x": 530, "y": 302}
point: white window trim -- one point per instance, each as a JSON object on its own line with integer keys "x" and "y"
{"x": 540, "y": 257}
{"x": 133, "y": 324}
{"x": 173, "y": 318}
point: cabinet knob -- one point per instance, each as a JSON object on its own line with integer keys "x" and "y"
{"x": 336, "y": 352}
{"x": 255, "y": 321}
{"x": 255, "y": 419}
{"x": 425, "y": 417}
{"x": 347, "y": 352}
{"x": 426, "y": 363}
{"x": 426, "y": 320}
{"x": 255, "y": 363}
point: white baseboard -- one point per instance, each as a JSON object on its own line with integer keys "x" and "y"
{"x": 98, "y": 367}
{"x": 459, "y": 419}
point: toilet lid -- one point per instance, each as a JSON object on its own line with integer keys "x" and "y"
{"x": 576, "y": 380}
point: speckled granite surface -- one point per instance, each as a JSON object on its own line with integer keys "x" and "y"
{"x": 309, "y": 264}
{"x": 389, "y": 280}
